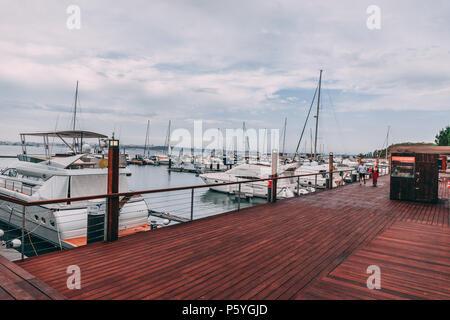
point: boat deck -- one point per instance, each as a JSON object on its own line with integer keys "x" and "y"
{"x": 316, "y": 246}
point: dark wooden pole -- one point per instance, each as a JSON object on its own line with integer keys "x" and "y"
{"x": 112, "y": 231}
{"x": 274, "y": 174}
{"x": 330, "y": 169}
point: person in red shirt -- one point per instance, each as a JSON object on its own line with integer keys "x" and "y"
{"x": 375, "y": 176}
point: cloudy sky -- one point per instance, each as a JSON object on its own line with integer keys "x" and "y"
{"x": 225, "y": 62}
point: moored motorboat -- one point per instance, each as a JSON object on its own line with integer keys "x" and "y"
{"x": 74, "y": 174}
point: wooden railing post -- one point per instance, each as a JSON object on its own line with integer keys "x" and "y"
{"x": 23, "y": 232}
{"x": 239, "y": 197}
{"x": 274, "y": 174}
{"x": 112, "y": 219}
{"x": 330, "y": 169}
{"x": 192, "y": 204}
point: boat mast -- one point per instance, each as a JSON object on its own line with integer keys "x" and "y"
{"x": 317, "y": 116}
{"x": 168, "y": 140}
{"x": 75, "y": 108}
{"x": 246, "y": 144}
{"x": 74, "y": 120}
{"x": 284, "y": 135}
{"x": 146, "y": 137}
{"x": 224, "y": 149}
{"x": 265, "y": 143}
{"x": 257, "y": 149}
{"x": 387, "y": 142}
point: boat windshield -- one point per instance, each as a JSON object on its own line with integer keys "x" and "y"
{"x": 9, "y": 172}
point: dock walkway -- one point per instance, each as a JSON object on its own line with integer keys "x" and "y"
{"x": 316, "y": 246}
{"x": 18, "y": 284}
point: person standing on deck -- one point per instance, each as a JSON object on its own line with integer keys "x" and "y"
{"x": 375, "y": 176}
{"x": 362, "y": 173}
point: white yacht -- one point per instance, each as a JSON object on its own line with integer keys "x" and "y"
{"x": 285, "y": 187}
{"x": 162, "y": 159}
{"x": 75, "y": 174}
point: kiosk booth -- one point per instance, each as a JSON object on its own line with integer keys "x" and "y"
{"x": 415, "y": 172}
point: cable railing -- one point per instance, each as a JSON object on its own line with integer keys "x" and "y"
{"x": 42, "y": 228}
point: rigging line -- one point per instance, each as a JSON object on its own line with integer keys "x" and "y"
{"x": 306, "y": 121}
{"x": 29, "y": 237}
{"x": 385, "y": 143}
{"x": 120, "y": 131}
{"x": 337, "y": 121}
{"x": 53, "y": 141}
{"x": 74, "y": 116}
{"x": 80, "y": 120}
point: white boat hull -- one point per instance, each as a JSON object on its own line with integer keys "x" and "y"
{"x": 250, "y": 189}
{"x": 59, "y": 225}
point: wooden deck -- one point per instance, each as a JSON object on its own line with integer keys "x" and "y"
{"x": 414, "y": 260}
{"x": 17, "y": 284}
{"x": 312, "y": 247}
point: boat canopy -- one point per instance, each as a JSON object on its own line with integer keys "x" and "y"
{"x": 77, "y": 135}
{"x": 80, "y": 134}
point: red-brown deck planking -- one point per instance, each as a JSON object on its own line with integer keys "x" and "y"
{"x": 292, "y": 249}
{"x": 414, "y": 262}
{"x": 18, "y": 284}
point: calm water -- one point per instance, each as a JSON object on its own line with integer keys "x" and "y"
{"x": 206, "y": 202}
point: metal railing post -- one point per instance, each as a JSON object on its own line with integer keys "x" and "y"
{"x": 298, "y": 186}
{"x": 239, "y": 197}
{"x": 192, "y": 204}
{"x": 23, "y": 233}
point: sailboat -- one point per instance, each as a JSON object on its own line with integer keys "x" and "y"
{"x": 246, "y": 171}
{"x": 165, "y": 158}
{"x": 146, "y": 159}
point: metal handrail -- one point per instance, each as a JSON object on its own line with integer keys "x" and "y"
{"x": 132, "y": 193}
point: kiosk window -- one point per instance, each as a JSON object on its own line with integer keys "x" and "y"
{"x": 403, "y": 167}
